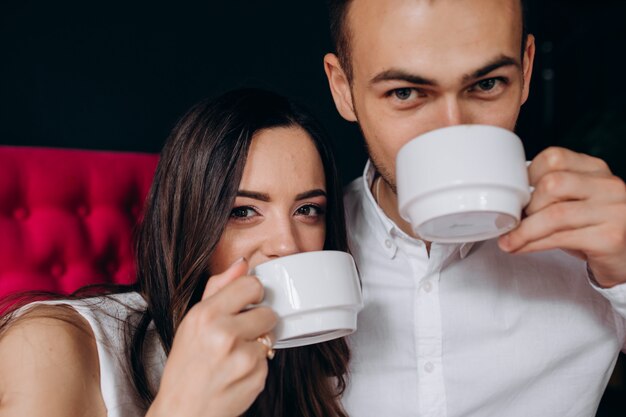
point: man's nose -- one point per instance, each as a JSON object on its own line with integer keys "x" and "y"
{"x": 281, "y": 240}
{"x": 451, "y": 112}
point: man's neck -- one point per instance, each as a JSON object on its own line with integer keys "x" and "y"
{"x": 388, "y": 202}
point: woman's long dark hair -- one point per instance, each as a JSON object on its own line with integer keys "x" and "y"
{"x": 186, "y": 212}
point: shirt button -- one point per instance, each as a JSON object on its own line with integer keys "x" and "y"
{"x": 388, "y": 243}
{"x": 428, "y": 287}
{"x": 429, "y": 367}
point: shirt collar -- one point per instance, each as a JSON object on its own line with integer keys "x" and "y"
{"x": 388, "y": 230}
{"x": 383, "y": 228}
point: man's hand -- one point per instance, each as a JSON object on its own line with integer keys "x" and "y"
{"x": 578, "y": 205}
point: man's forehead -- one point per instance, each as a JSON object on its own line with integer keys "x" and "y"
{"x": 386, "y": 3}
{"x": 359, "y": 9}
{"x": 426, "y": 30}
{"x": 443, "y": 41}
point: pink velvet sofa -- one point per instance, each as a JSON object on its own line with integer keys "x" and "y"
{"x": 67, "y": 217}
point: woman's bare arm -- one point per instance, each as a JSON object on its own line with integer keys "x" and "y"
{"x": 49, "y": 366}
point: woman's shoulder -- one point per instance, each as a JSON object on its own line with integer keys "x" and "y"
{"x": 49, "y": 364}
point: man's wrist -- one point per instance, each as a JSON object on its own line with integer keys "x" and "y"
{"x": 602, "y": 284}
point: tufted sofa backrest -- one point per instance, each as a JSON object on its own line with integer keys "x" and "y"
{"x": 67, "y": 217}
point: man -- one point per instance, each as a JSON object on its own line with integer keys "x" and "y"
{"x": 526, "y": 325}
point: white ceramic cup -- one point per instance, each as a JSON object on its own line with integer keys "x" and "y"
{"x": 316, "y": 296}
{"x": 462, "y": 183}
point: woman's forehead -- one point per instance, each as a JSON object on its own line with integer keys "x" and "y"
{"x": 283, "y": 158}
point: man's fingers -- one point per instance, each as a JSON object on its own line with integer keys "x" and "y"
{"x": 558, "y": 217}
{"x": 561, "y": 186}
{"x": 569, "y": 240}
{"x": 560, "y": 159}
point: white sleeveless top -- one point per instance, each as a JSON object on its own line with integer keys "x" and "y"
{"x": 108, "y": 317}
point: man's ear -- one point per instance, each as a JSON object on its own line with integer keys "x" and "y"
{"x": 527, "y": 66}
{"x": 339, "y": 87}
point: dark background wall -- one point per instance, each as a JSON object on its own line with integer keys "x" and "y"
{"x": 108, "y": 75}
{"x": 578, "y": 89}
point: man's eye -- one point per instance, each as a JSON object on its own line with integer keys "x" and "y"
{"x": 487, "y": 84}
{"x": 242, "y": 212}
{"x": 403, "y": 93}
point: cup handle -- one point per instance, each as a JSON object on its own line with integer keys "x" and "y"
{"x": 530, "y": 187}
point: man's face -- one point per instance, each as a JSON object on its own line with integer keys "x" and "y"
{"x": 419, "y": 65}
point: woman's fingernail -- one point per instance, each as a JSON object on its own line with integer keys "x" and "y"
{"x": 238, "y": 261}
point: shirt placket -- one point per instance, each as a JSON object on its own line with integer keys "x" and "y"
{"x": 431, "y": 395}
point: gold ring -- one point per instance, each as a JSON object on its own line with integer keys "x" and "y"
{"x": 267, "y": 342}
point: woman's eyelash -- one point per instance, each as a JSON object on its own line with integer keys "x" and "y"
{"x": 319, "y": 209}
{"x": 243, "y": 212}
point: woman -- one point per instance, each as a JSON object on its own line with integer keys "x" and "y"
{"x": 241, "y": 180}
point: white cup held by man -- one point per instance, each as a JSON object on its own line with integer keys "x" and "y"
{"x": 316, "y": 296}
{"x": 462, "y": 183}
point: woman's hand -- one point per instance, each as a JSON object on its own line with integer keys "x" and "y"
{"x": 216, "y": 366}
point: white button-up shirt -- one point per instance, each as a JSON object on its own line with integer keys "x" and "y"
{"x": 471, "y": 330}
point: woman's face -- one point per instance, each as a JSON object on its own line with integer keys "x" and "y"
{"x": 281, "y": 203}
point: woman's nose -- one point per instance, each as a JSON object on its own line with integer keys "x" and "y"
{"x": 281, "y": 240}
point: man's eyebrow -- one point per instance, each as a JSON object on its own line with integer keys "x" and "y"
{"x": 254, "y": 195}
{"x": 311, "y": 193}
{"x": 501, "y": 61}
{"x": 401, "y": 75}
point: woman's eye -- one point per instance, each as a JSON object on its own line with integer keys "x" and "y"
{"x": 309, "y": 210}
{"x": 242, "y": 213}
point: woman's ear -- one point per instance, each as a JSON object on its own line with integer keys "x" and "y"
{"x": 339, "y": 87}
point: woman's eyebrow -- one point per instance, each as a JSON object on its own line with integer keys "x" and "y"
{"x": 254, "y": 195}
{"x": 311, "y": 193}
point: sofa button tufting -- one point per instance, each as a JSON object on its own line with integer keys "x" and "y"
{"x": 57, "y": 270}
{"x": 111, "y": 268}
{"x": 135, "y": 210}
{"x": 83, "y": 211}
{"x": 20, "y": 213}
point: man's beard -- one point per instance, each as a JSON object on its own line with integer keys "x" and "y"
{"x": 383, "y": 172}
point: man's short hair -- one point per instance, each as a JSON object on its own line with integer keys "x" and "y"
{"x": 340, "y": 32}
